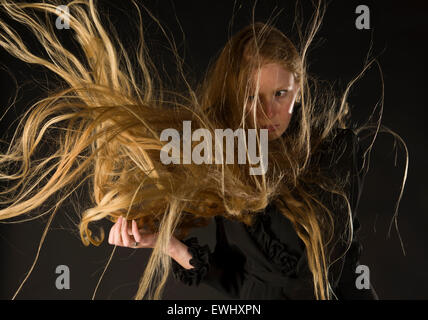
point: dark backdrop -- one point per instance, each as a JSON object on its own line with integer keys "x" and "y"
{"x": 398, "y": 32}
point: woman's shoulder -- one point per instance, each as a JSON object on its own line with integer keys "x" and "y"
{"x": 338, "y": 140}
{"x": 339, "y": 151}
{"x": 340, "y": 158}
{"x": 343, "y": 159}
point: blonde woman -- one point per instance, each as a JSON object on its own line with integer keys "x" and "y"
{"x": 288, "y": 233}
{"x": 266, "y": 260}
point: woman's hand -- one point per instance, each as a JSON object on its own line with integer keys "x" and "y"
{"x": 130, "y": 236}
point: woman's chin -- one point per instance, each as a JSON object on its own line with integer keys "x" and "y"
{"x": 275, "y": 134}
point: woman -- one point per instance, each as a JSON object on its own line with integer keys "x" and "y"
{"x": 287, "y": 233}
{"x": 266, "y": 260}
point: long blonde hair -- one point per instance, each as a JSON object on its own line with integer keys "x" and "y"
{"x": 107, "y": 125}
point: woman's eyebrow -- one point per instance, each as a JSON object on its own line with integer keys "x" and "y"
{"x": 285, "y": 86}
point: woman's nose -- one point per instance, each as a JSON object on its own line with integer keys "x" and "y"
{"x": 268, "y": 108}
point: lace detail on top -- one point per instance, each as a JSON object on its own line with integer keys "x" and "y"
{"x": 275, "y": 250}
{"x": 200, "y": 261}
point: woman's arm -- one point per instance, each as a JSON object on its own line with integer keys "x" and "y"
{"x": 222, "y": 269}
{"x": 180, "y": 253}
{"x": 192, "y": 263}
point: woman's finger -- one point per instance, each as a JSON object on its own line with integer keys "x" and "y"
{"x": 117, "y": 237}
{"x": 113, "y": 233}
{"x": 136, "y": 232}
{"x": 130, "y": 228}
{"x": 125, "y": 236}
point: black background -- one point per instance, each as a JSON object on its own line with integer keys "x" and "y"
{"x": 399, "y": 34}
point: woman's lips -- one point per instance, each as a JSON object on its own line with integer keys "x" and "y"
{"x": 271, "y": 128}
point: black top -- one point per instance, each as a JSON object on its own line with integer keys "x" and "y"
{"x": 268, "y": 260}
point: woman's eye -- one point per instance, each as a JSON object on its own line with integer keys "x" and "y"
{"x": 251, "y": 98}
{"x": 281, "y": 93}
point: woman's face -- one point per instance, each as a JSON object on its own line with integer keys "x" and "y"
{"x": 276, "y": 96}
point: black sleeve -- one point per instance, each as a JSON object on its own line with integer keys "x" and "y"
{"x": 347, "y": 286}
{"x": 221, "y": 269}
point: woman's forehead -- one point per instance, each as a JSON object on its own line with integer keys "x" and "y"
{"x": 271, "y": 74}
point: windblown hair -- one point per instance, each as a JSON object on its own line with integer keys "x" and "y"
{"x": 107, "y": 120}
